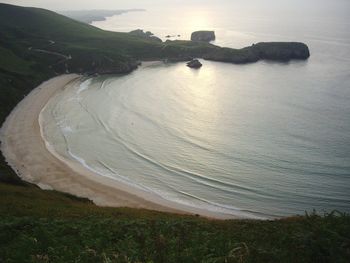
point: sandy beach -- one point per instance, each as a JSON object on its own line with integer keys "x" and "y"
{"x": 26, "y": 152}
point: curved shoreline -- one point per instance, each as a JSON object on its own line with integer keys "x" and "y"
{"x": 32, "y": 158}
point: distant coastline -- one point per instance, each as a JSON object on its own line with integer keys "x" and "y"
{"x": 89, "y": 16}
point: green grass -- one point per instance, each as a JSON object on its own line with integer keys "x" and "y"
{"x": 46, "y": 226}
{"x": 10, "y": 62}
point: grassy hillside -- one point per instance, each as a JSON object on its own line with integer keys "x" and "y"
{"x": 41, "y": 226}
{"x": 47, "y": 226}
{"x": 26, "y": 31}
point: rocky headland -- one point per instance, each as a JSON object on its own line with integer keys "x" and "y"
{"x": 275, "y": 51}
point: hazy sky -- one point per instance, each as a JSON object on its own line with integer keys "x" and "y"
{"x": 324, "y": 6}
{"x": 98, "y": 4}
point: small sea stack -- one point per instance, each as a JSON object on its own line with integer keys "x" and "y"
{"x": 194, "y": 63}
{"x": 203, "y": 36}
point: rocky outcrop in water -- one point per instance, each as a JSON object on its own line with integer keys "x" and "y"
{"x": 194, "y": 63}
{"x": 281, "y": 51}
{"x": 204, "y": 36}
{"x": 275, "y": 51}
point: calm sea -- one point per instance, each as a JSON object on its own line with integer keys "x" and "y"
{"x": 263, "y": 139}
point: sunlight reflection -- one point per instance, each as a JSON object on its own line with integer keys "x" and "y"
{"x": 198, "y": 21}
{"x": 200, "y": 95}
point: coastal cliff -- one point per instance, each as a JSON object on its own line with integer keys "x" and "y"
{"x": 275, "y": 51}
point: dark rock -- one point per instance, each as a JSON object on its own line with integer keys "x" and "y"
{"x": 148, "y": 35}
{"x": 281, "y": 51}
{"x": 169, "y": 36}
{"x": 275, "y": 51}
{"x": 204, "y": 36}
{"x": 236, "y": 56}
{"x": 194, "y": 63}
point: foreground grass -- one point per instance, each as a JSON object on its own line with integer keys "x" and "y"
{"x": 46, "y": 226}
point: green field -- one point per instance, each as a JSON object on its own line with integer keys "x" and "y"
{"x": 47, "y": 226}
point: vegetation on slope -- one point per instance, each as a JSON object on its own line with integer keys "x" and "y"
{"x": 46, "y": 226}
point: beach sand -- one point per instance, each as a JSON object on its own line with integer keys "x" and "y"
{"x": 26, "y": 152}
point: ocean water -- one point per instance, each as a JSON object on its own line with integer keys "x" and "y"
{"x": 265, "y": 139}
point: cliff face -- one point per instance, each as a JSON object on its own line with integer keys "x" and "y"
{"x": 282, "y": 51}
{"x": 276, "y": 51}
{"x": 204, "y": 36}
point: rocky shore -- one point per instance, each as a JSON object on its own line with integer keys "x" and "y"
{"x": 274, "y": 51}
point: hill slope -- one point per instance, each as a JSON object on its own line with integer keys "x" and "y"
{"x": 29, "y": 32}
{"x": 46, "y": 226}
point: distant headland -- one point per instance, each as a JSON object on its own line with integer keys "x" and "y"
{"x": 89, "y": 16}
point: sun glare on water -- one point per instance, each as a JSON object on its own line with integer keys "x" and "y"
{"x": 201, "y": 99}
{"x": 197, "y": 21}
